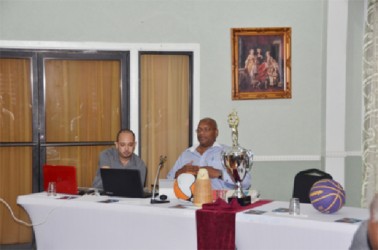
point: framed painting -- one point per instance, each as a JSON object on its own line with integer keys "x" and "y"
{"x": 261, "y": 63}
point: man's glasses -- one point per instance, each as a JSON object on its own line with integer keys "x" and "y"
{"x": 203, "y": 130}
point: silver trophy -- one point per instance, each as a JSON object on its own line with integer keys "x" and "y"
{"x": 238, "y": 161}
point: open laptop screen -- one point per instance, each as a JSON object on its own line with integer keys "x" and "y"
{"x": 123, "y": 183}
{"x": 63, "y": 176}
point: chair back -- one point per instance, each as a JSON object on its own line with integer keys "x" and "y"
{"x": 304, "y": 180}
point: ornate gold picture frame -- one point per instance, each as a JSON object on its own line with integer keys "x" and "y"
{"x": 261, "y": 63}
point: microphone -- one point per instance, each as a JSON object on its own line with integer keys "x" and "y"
{"x": 153, "y": 198}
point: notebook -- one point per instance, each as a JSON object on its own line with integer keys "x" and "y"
{"x": 63, "y": 176}
{"x": 123, "y": 183}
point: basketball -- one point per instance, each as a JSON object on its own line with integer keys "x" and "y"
{"x": 327, "y": 196}
{"x": 183, "y": 186}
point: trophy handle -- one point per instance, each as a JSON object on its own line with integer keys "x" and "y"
{"x": 250, "y": 161}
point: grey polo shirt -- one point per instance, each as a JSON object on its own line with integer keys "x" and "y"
{"x": 110, "y": 157}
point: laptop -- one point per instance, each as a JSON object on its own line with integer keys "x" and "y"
{"x": 63, "y": 176}
{"x": 123, "y": 182}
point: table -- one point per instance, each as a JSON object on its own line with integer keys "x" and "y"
{"x": 310, "y": 230}
{"x": 86, "y": 223}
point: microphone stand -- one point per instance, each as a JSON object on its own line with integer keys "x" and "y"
{"x": 153, "y": 198}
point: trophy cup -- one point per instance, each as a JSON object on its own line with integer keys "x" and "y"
{"x": 237, "y": 161}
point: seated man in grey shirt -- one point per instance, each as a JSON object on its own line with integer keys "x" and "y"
{"x": 120, "y": 156}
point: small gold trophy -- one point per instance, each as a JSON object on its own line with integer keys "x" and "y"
{"x": 237, "y": 161}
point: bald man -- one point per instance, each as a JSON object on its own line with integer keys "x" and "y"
{"x": 121, "y": 156}
{"x": 207, "y": 154}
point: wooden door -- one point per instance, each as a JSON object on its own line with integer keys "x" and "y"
{"x": 16, "y": 148}
{"x": 60, "y": 108}
{"x": 165, "y": 104}
{"x": 82, "y": 112}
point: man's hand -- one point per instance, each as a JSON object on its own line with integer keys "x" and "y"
{"x": 188, "y": 169}
{"x": 213, "y": 173}
{"x": 373, "y": 233}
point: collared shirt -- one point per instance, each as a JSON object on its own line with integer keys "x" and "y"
{"x": 110, "y": 157}
{"x": 211, "y": 157}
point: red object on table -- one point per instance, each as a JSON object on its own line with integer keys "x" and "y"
{"x": 216, "y": 223}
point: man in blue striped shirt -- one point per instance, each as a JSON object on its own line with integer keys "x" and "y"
{"x": 207, "y": 154}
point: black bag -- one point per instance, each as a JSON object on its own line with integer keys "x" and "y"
{"x": 303, "y": 182}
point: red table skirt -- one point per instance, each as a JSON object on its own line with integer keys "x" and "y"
{"x": 216, "y": 223}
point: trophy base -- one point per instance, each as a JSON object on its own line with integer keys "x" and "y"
{"x": 244, "y": 201}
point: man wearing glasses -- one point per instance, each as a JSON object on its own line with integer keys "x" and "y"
{"x": 121, "y": 156}
{"x": 206, "y": 155}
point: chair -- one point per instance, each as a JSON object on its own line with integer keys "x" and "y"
{"x": 63, "y": 176}
{"x": 304, "y": 180}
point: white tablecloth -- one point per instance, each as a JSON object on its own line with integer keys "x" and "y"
{"x": 86, "y": 223}
{"x": 310, "y": 230}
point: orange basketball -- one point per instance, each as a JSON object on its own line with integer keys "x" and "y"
{"x": 183, "y": 186}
